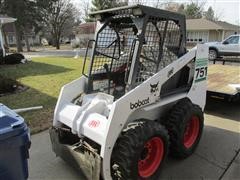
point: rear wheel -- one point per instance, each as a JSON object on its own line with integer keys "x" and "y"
{"x": 140, "y": 152}
{"x": 185, "y": 125}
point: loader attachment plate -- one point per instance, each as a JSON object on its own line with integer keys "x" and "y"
{"x": 78, "y": 155}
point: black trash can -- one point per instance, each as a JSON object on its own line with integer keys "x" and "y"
{"x": 14, "y": 145}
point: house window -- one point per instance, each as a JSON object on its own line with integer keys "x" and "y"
{"x": 197, "y": 36}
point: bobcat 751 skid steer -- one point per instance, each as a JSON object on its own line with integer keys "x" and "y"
{"x": 142, "y": 90}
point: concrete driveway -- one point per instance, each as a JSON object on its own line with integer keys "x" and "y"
{"x": 217, "y": 156}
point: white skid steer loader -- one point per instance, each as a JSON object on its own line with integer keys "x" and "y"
{"x": 142, "y": 91}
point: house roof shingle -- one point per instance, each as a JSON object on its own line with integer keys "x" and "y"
{"x": 228, "y": 26}
{"x": 204, "y": 24}
{"x": 201, "y": 24}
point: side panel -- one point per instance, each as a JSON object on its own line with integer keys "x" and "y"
{"x": 197, "y": 93}
{"x": 67, "y": 94}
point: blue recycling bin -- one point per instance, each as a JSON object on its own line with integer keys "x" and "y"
{"x": 14, "y": 145}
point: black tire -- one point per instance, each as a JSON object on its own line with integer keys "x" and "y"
{"x": 131, "y": 157}
{"x": 184, "y": 140}
{"x": 212, "y": 54}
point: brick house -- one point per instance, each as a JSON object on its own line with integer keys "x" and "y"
{"x": 85, "y": 32}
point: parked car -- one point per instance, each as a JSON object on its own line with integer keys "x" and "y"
{"x": 228, "y": 47}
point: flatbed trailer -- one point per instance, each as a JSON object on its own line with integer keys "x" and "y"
{"x": 224, "y": 81}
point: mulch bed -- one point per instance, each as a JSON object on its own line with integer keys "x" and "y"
{"x": 10, "y": 86}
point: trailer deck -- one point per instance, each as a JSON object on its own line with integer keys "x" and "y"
{"x": 224, "y": 80}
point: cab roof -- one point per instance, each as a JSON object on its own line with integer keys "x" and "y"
{"x": 137, "y": 10}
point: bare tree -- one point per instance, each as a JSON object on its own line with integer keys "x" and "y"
{"x": 86, "y": 8}
{"x": 172, "y": 6}
{"x": 218, "y": 15}
{"x": 158, "y": 4}
{"x": 56, "y": 16}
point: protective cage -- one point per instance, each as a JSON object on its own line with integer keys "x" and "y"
{"x": 131, "y": 44}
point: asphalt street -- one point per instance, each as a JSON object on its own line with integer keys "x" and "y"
{"x": 217, "y": 156}
{"x": 55, "y": 53}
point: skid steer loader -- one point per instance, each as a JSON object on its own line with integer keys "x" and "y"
{"x": 141, "y": 95}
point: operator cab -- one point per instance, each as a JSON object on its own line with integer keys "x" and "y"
{"x": 131, "y": 44}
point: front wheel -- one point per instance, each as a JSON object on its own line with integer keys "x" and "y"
{"x": 212, "y": 54}
{"x": 139, "y": 152}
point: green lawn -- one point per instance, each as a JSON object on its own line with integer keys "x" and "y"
{"x": 44, "y": 76}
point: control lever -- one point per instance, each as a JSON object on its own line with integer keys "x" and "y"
{"x": 108, "y": 75}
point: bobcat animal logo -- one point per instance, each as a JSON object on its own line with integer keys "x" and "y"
{"x": 154, "y": 87}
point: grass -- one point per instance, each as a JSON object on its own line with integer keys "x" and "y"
{"x": 44, "y": 76}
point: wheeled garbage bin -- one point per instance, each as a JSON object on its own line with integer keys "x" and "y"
{"x": 14, "y": 145}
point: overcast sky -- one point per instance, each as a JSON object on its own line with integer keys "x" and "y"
{"x": 227, "y": 10}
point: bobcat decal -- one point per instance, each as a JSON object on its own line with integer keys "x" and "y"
{"x": 154, "y": 87}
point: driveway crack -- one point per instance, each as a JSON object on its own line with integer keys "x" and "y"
{"x": 230, "y": 163}
{"x": 202, "y": 157}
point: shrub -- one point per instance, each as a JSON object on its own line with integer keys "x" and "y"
{"x": 13, "y": 58}
{"x": 7, "y": 85}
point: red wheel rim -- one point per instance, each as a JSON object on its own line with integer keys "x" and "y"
{"x": 151, "y": 157}
{"x": 191, "y": 132}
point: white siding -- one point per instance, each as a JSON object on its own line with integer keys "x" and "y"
{"x": 197, "y": 36}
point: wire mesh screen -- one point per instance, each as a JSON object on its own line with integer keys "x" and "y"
{"x": 171, "y": 44}
{"x": 113, "y": 47}
{"x": 106, "y": 50}
{"x": 160, "y": 47}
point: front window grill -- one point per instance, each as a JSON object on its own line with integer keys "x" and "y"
{"x": 160, "y": 47}
{"x": 113, "y": 47}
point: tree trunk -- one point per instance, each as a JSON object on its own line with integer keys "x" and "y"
{"x": 18, "y": 38}
{"x": 27, "y": 43}
{"x": 57, "y": 41}
{"x": 53, "y": 39}
{"x": 57, "y": 45}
